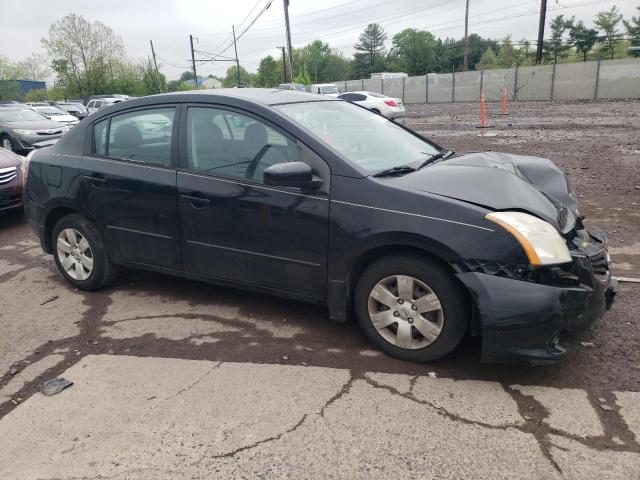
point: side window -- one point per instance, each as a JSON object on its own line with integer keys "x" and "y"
{"x": 250, "y": 148}
{"x": 91, "y": 104}
{"x": 98, "y": 104}
{"x": 142, "y": 136}
{"x": 357, "y": 97}
{"x": 100, "y": 137}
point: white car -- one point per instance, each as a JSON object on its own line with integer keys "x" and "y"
{"x": 329, "y": 89}
{"x": 57, "y": 115}
{"x": 376, "y": 102}
{"x": 97, "y": 103}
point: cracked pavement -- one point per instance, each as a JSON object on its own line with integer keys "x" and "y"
{"x": 182, "y": 380}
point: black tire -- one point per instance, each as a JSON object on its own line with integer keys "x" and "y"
{"x": 13, "y": 143}
{"x": 104, "y": 270}
{"x": 453, "y": 300}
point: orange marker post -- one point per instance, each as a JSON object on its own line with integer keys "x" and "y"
{"x": 504, "y": 101}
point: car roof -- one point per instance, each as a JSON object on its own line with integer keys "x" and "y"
{"x": 265, "y": 96}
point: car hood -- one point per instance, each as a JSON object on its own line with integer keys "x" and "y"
{"x": 501, "y": 181}
{"x": 8, "y": 159}
{"x": 34, "y": 125}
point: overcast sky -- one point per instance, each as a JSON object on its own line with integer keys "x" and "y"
{"x": 339, "y": 22}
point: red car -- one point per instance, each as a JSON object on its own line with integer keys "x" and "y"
{"x": 10, "y": 180}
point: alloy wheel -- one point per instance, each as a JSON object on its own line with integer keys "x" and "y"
{"x": 74, "y": 254}
{"x": 406, "y": 312}
{"x": 6, "y": 143}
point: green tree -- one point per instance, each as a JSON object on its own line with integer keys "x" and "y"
{"x": 633, "y": 30}
{"x": 582, "y": 38}
{"x": 370, "y": 48}
{"x": 507, "y": 54}
{"x": 231, "y": 78}
{"x": 10, "y": 90}
{"x": 556, "y": 46}
{"x": 84, "y": 54}
{"x": 608, "y": 22}
{"x": 269, "y": 72}
{"x": 186, "y": 75}
{"x": 488, "y": 60}
{"x": 303, "y": 76}
{"x": 415, "y": 50}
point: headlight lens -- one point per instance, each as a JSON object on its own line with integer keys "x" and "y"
{"x": 25, "y": 132}
{"x": 541, "y": 242}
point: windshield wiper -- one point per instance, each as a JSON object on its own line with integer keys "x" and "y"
{"x": 441, "y": 155}
{"x": 401, "y": 170}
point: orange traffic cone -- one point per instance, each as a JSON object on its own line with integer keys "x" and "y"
{"x": 483, "y": 111}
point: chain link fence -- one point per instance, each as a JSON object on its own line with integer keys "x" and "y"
{"x": 605, "y": 79}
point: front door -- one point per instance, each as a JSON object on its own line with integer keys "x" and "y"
{"x": 128, "y": 186}
{"x": 236, "y": 228}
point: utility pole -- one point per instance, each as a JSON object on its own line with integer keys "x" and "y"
{"x": 284, "y": 65}
{"x": 290, "y": 51}
{"x": 235, "y": 46}
{"x": 193, "y": 62}
{"x": 153, "y": 52}
{"x": 466, "y": 37}
{"x": 543, "y": 16}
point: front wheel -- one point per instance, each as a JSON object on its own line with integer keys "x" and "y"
{"x": 6, "y": 143}
{"x": 80, "y": 253}
{"x": 411, "y": 308}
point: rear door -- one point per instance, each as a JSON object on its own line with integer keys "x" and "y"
{"x": 129, "y": 185}
{"x": 235, "y": 227}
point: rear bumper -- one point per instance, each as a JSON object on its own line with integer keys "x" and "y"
{"x": 522, "y": 321}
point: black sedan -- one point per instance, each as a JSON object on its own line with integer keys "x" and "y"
{"x": 320, "y": 200}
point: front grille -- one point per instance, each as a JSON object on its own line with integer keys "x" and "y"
{"x": 53, "y": 131}
{"x": 8, "y": 175}
{"x": 600, "y": 263}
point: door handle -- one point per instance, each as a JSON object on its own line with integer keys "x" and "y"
{"x": 197, "y": 202}
{"x": 95, "y": 181}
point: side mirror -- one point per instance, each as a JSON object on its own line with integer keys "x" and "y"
{"x": 291, "y": 174}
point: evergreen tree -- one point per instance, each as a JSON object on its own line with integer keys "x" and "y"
{"x": 582, "y": 38}
{"x": 633, "y": 29}
{"x": 370, "y": 48}
{"x": 488, "y": 60}
{"x": 608, "y": 22}
{"x": 555, "y": 46}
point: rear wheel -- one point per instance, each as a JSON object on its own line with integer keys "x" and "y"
{"x": 80, "y": 253}
{"x": 411, "y": 308}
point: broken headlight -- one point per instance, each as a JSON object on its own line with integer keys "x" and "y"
{"x": 541, "y": 241}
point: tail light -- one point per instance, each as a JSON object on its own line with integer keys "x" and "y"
{"x": 391, "y": 103}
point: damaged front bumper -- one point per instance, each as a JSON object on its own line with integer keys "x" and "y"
{"x": 541, "y": 323}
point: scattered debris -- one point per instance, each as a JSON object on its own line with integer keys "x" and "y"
{"x": 308, "y": 349}
{"x": 587, "y": 344}
{"x": 606, "y": 408}
{"x": 110, "y": 352}
{"x": 55, "y": 386}
{"x": 433, "y": 374}
{"x": 285, "y": 357}
{"x": 13, "y": 370}
{"x": 95, "y": 342}
{"x": 49, "y": 300}
{"x": 151, "y": 398}
{"x": 14, "y": 402}
{"x": 628, "y": 279}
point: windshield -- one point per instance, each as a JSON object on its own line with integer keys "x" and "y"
{"x": 329, "y": 89}
{"x": 25, "y": 115}
{"x": 361, "y": 136}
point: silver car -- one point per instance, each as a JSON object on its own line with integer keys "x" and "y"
{"x": 20, "y": 128}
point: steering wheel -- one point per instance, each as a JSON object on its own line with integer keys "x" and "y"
{"x": 253, "y": 164}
